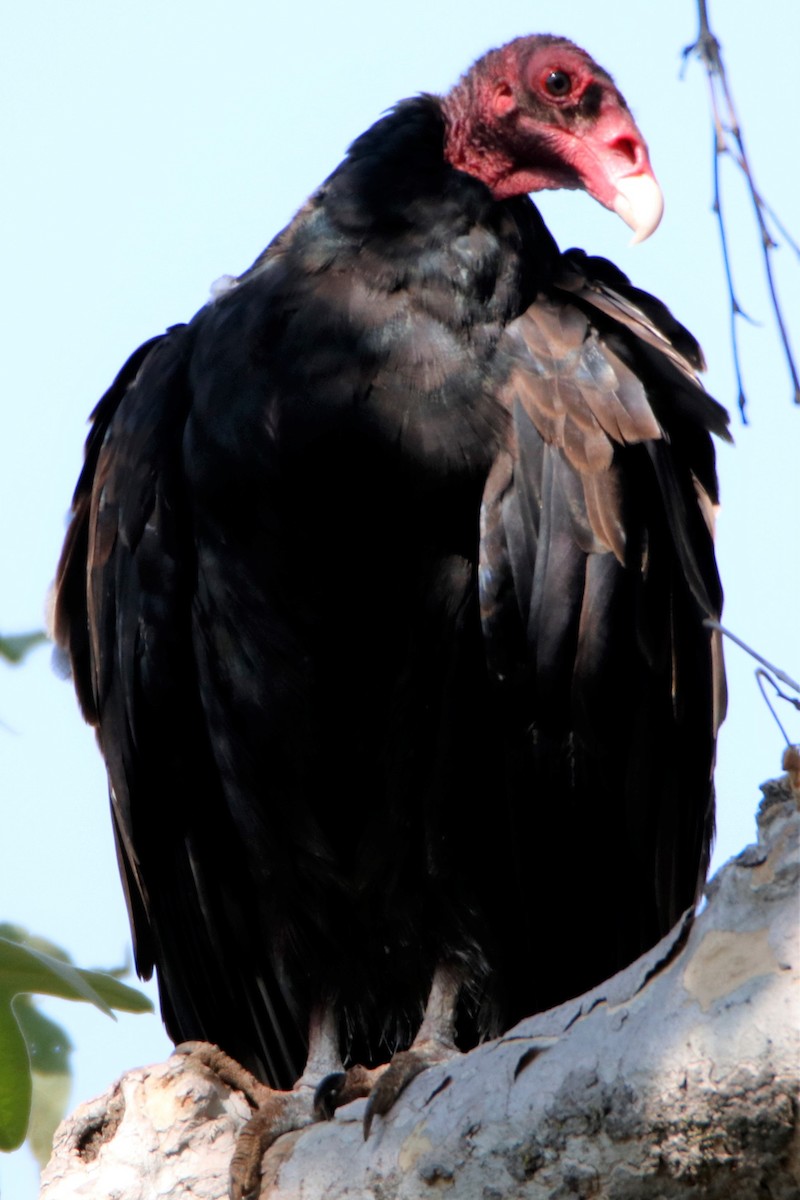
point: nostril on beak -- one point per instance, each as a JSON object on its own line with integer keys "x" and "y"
{"x": 628, "y": 148}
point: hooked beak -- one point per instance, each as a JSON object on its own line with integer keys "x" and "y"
{"x": 614, "y": 166}
{"x": 640, "y": 203}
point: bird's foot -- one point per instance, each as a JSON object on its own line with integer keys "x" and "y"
{"x": 277, "y": 1113}
{"x": 404, "y": 1066}
{"x": 342, "y": 1087}
{"x": 381, "y": 1084}
{"x": 434, "y": 1044}
{"x": 274, "y": 1113}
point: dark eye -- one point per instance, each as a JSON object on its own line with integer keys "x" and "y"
{"x": 558, "y": 83}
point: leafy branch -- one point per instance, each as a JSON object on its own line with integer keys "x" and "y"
{"x": 34, "y": 1051}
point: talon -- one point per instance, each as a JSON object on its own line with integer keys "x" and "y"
{"x": 245, "y": 1170}
{"x": 342, "y": 1087}
{"x": 433, "y": 1044}
{"x": 404, "y": 1067}
{"x": 278, "y": 1113}
{"x": 326, "y": 1096}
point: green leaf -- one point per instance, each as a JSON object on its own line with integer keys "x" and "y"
{"x": 48, "y": 1109}
{"x": 15, "y": 1081}
{"x": 48, "y": 1044}
{"x": 17, "y": 933}
{"x": 26, "y": 969}
{"x": 49, "y": 1049}
{"x": 14, "y": 647}
{"x": 115, "y": 994}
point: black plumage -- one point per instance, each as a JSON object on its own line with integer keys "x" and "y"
{"x": 385, "y": 590}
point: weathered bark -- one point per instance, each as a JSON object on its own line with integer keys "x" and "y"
{"x": 677, "y": 1078}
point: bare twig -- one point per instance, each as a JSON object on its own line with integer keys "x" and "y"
{"x": 763, "y": 677}
{"x": 766, "y": 673}
{"x": 728, "y": 139}
{"x": 710, "y": 623}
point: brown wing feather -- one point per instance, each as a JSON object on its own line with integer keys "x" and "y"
{"x": 582, "y": 398}
{"x": 597, "y": 556}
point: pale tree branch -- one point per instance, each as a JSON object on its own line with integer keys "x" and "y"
{"x": 676, "y": 1080}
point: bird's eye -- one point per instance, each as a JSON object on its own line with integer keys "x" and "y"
{"x": 558, "y": 83}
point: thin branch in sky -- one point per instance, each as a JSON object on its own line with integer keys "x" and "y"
{"x": 728, "y": 139}
{"x": 710, "y": 623}
{"x": 763, "y": 677}
{"x": 767, "y": 672}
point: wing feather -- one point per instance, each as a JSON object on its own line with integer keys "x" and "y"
{"x": 597, "y": 532}
{"x": 125, "y": 595}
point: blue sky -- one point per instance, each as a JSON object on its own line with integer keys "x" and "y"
{"x": 149, "y": 149}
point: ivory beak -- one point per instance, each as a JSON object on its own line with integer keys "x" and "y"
{"x": 640, "y": 203}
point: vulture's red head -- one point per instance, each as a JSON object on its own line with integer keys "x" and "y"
{"x": 540, "y": 113}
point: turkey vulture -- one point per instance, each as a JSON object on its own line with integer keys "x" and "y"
{"x": 385, "y": 589}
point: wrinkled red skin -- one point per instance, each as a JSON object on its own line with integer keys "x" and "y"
{"x": 507, "y": 129}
